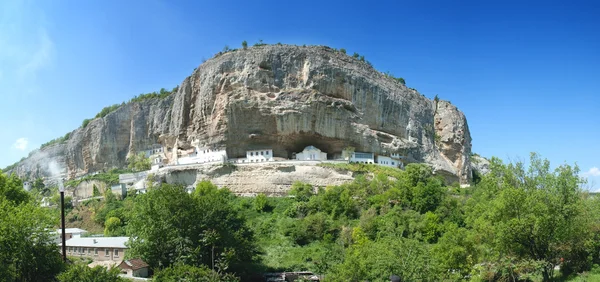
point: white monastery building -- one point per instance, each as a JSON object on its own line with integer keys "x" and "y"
{"x": 311, "y": 153}
{"x": 257, "y": 156}
{"x": 362, "y": 157}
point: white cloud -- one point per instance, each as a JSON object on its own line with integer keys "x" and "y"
{"x": 21, "y": 144}
{"x": 594, "y": 171}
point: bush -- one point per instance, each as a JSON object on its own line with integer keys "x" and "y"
{"x": 81, "y": 272}
{"x": 244, "y": 44}
{"x": 343, "y": 50}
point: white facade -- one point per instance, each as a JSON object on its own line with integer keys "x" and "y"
{"x": 204, "y": 155}
{"x": 27, "y": 186}
{"x": 388, "y": 161}
{"x": 311, "y": 153}
{"x": 257, "y": 156}
{"x": 361, "y": 157}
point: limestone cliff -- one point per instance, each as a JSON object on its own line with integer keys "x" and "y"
{"x": 280, "y": 97}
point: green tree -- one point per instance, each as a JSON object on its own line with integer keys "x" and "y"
{"x": 355, "y": 55}
{"x": 78, "y": 272}
{"x": 181, "y": 272}
{"x": 244, "y": 44}
{"x": 261, "y": 202}
{"x": 531, "y": 214}
{"x": 113, "y": 227}
{"x": 343, "y": 50}
{"x": 172, "y": 226}
{"x": 139, "y": 162}
{"x": 301, "y": 191}
{"x": 27, "y": 251}
{"x": 375, "y": 261}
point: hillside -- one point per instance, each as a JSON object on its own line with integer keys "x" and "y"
{"x": 272, "y": 96}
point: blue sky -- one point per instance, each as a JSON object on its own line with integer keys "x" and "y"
{"x": 527, "y": 75}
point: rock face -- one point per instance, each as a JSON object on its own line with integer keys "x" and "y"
{"x": 272, "y": 178}
{"x": 480, "y": 164}
{"x": 280, "y": 97}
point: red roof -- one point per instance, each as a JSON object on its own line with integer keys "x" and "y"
{"x": 133, "y": 264}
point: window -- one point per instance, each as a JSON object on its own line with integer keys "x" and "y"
{"x": 261, "y": 153}
{"x": 267, "y": 153}
{"x": 393, "y": 163}
{"x": 82, "y": 251}
{"x": 106, "y": 252}
{"x": 69, "y": 250}
{"x": 95, "y": 251}
{"x": 251, "y": 153}
{"x": 116, "y": 252}
{"x": 89, "y": 251}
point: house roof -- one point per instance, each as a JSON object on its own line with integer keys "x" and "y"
{"x": 98, "y": 242}
{"x": 133, "y": 264}
{"x": 311, "y": 147}
{"x": 71, "y": 230}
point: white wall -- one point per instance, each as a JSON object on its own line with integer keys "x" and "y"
{"x": 254, "y": 156}
{"x": 204, "y": 155}
{"x": 387, "y": 161}
{"x": 310, "y": 155}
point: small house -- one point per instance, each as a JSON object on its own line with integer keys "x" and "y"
{"x": 311, "y": 153}
{"x": 134, "y": 268}
{"x": 257, "y": 156}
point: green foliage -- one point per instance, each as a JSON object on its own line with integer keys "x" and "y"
{"x": 260, "y": 43}
{"x": 107, "y": 110}
{"x": 244, "y": 45}
{"x": 301, "y": 191}
{"x": 375, "y": 261}
{"x": 172, "y": 226}
{"x": 362, "y": 58}
{"x": 355, "y": 55}
{"x": 85, "y": 122}
{"x": 261, "y": 203}
{"x": 343, "y": 50}
{"x": 58, "y": 140}
{"x": 139, "y": 162}
{"x": 532, "y": 214}
{"x": 27, "y": 251}
{"x": 183, "y": 272}
{"x": 81, "y": 272}
{"x": 113, "y": 227}
{"x": 163, "y": 93}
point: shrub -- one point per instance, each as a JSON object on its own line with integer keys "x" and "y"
{"x": 355, "y": 55}
{"x": 343, "y": 50}
{"x": 244, "y": 44}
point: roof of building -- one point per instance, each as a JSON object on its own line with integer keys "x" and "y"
{"x": 98, "y": 242}
{"x": 133, "y": 264}
{"x": 311, "y": 147}
{"x": 71, "y": 231}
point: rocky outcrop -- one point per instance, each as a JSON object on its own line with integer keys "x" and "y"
{"x": 480, "y": 165}
{"x": 271, "y": 178}
{"x": 280, "y": 97}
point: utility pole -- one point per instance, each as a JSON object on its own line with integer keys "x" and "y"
{"x": 61, "y": 189}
